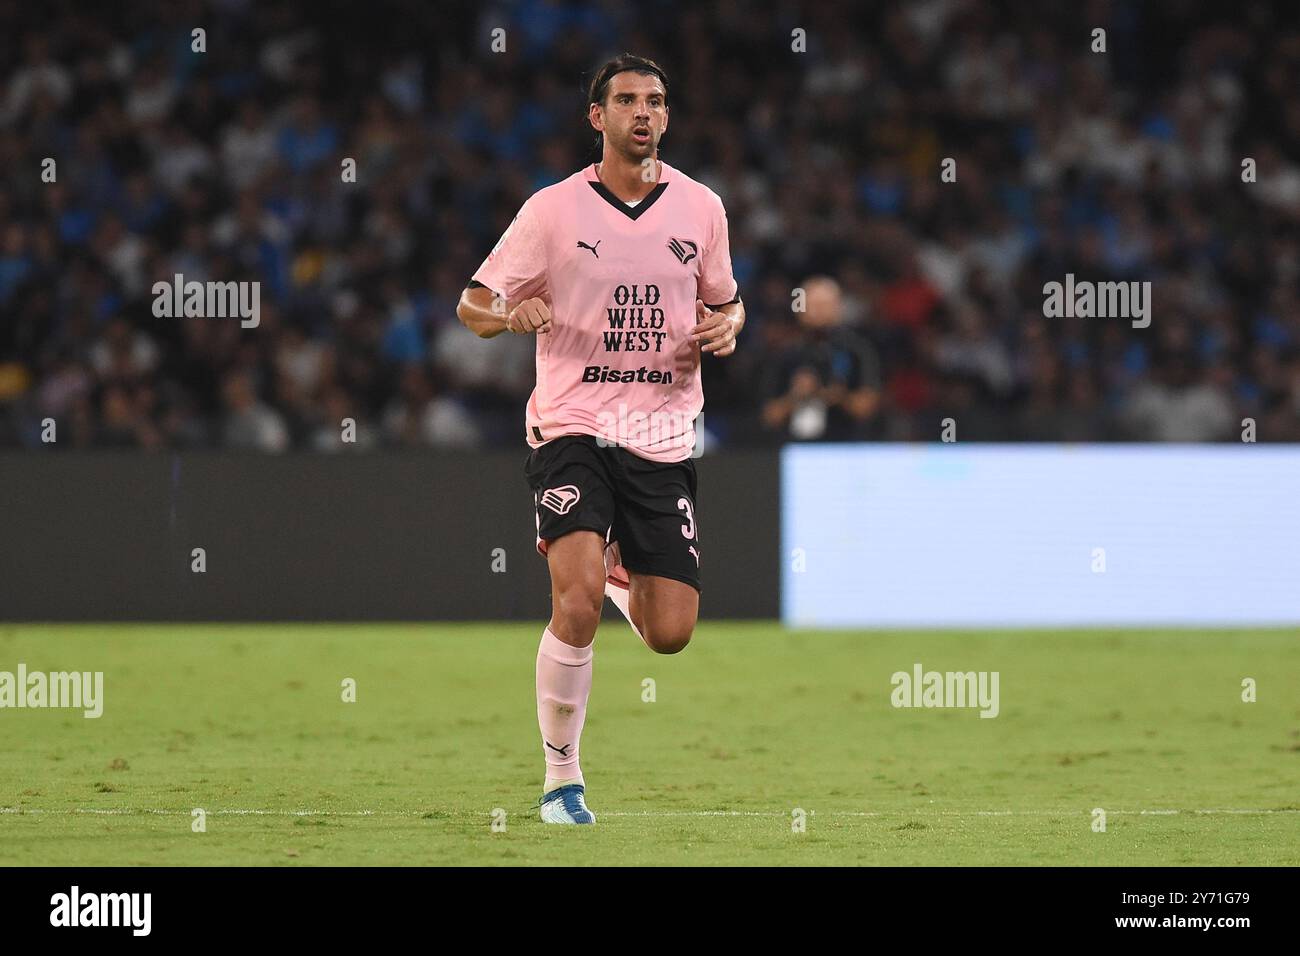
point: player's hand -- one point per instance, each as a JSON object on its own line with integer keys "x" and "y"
{"x": 531, "y": 315}
{"x": 716, "y": 330}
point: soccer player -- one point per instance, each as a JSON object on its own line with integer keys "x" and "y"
{"x": 623, "y": 273}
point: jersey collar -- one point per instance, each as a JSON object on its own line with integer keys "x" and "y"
{"x": 632, "y": 212}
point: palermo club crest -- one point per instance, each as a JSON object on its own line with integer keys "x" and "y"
{"x": 683, "y": 249}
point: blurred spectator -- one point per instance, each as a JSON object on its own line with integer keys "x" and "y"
{"x": 249, "y": 422}
{"x": 419, "y": 417}
{"x": 826, "y": 387}
{"x": 1178, "y": 404}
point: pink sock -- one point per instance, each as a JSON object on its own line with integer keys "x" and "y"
{"x": 563, "y": 683}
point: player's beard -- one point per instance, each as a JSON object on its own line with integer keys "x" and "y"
{"x": 633, "y": 151}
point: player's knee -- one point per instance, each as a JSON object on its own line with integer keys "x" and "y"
{"x": 578, "y": 610}
{"x": 668, "y": 639}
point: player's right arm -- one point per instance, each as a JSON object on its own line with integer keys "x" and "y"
{"x": 509, "y": 291}
{"x": 486, "y": 314}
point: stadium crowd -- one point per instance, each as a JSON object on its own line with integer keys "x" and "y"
{"x": 918, "y": 299}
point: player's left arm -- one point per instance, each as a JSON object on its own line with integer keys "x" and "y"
{"x": 717, "y": 327}
{"x": 719, "y": 313}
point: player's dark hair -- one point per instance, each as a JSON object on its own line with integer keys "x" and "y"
{"x": 621, "y": 64}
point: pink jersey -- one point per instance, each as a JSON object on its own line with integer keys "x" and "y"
{"x": 621, "y": 282}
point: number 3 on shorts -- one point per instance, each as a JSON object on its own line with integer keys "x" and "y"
{"x": 688, "y": 529}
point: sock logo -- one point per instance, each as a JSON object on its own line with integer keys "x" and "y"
{"x": 562, "y": 751}
{"x": 561, "y": 499}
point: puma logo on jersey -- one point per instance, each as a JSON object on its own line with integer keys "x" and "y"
{"x": 592, "y": 249}
{"x": 683, "y": 249}
{"x": 562, "y": 499}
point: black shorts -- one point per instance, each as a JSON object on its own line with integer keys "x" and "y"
{"x": 648, "y": 507}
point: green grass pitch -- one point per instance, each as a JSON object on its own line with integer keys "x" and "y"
{"x": 749, "y": 723}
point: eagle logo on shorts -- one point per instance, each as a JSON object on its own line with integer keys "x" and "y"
{"x": 561, "y": 499}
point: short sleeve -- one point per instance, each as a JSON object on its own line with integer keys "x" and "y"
{"x": 717, "y": 285}
{"x": 516, "y": 266}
